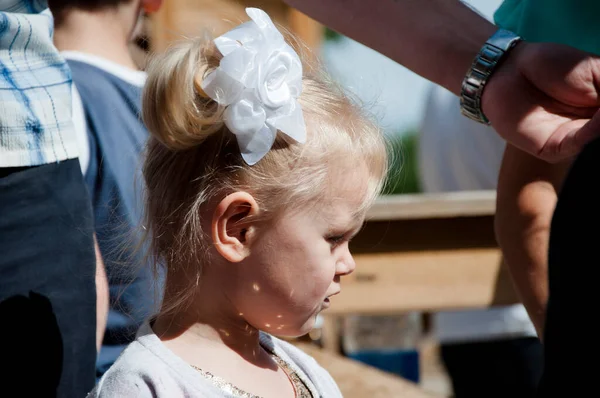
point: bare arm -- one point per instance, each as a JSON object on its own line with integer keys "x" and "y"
{"x": 437, "y": 39}
{"x": 102, "y": 297}
{"x": 527, "y": 194}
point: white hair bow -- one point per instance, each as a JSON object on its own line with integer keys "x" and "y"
{"x": 259, "y": 80}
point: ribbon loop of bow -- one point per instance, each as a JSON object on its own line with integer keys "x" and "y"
{"x": 259, "y": 80}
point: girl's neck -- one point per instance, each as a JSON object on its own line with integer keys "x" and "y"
{"x": 205, "y": 322}
{"x": 208, "y": 335}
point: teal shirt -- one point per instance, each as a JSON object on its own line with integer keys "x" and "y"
{"x": 572, "y": 22}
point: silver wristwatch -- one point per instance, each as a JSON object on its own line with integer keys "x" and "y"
{"x": 482, "y": 68}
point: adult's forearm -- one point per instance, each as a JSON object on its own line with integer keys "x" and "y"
{"x": 527, "y": 194}
{"x": 438, "y": 39}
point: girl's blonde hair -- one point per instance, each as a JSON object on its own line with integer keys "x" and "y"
{"x": 193, "y": 160}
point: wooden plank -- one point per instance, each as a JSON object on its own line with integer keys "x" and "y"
{"x": 425, "y": 234}
{"x": 331, "y": 333}
{"x": 426, "y": 281}
{"x": 443, "y": 205}
{"x": 357, "y": 380}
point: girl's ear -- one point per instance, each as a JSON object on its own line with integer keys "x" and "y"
{"x": 233, "y": 225}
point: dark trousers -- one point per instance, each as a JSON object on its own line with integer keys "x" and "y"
{"x": 494, "y": 369}
{"x": 47, "y": 283}
{"x": 570, "y": 341}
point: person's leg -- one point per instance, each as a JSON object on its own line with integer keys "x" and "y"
{"x": 501, "y": 368}
{"x": 47, "y": 289}
{"x": 571, "y": 349}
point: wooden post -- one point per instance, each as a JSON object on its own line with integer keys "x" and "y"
{"x": 191, "y": 18}
{"x": 309, "y": 31}
{"x": 331, "y": 333}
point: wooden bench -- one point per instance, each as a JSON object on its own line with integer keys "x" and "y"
{"x": 418, "y": 253}
{"x": 426, "y": 252}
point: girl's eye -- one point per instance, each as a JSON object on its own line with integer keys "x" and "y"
{"x": 336, "y": 240}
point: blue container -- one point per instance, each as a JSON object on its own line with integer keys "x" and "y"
{"x": 404, "y": 363}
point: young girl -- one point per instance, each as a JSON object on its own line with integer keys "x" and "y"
{"x": 257, "y": 177}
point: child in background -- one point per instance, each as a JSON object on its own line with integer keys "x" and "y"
{"x": 257, "y": 177}
{"x": 94, "y": 37}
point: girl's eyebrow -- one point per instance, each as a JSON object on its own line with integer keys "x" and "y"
{"x": 353, "y": 226}
{"x": 351, "y": 223}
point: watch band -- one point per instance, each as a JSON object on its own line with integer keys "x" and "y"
{"x": 482, "y": 68}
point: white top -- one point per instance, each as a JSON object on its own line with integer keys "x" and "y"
{"x": 147, "y": 368}
{"x": 135, "y": 77}
{"x": 459, "y": 154}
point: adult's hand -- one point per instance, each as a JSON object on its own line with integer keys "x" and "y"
{"x": 544, "y": 99}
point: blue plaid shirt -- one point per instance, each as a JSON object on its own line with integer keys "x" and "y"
{"x": 35, "y": 88}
